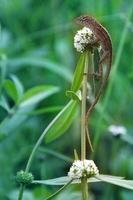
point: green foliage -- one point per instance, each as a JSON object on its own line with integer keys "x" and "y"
{"x": 11, "y": 90}
{"x": 119, "y": 181}
{"x": 37, "y": 94}
{"x": 42, "y": 63}
{"x": 61, "y": 122}
{"x": 128, "y": 184}
{"x": 19, "y": 113}
{"x": 36, "y": 50}
{"x": 78, "y": 74}
{"x": 63, "y": 180}
{"x": 4, "y": 104}
{"x": 14, "y": 89}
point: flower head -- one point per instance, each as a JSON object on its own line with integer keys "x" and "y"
{"x": 85, "y": 168}
{"x": 23, "y": 177}
{"x": 117, "y": 130}
{"x": 83, "y": 38}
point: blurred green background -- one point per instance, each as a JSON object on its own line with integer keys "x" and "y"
{"x": 36, "y": 49}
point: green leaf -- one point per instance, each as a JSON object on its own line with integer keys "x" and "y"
{"x": 76, "y": 157}
{"x": 61, "y": 122}
{"x": 78, "y": 74}
{"x": 50, "y": 109}
{"x": 16, "y": 63}
{"x": 10, "y": 123}
{"x": 56, "y": 181}
{"x": 19, "y": 86}
{"x": 63, "y": 180}
{"x": 54, "y": 153}
{"x": 37, "y": 94}
{"x": 15, "y": 120}
{"x": 11, "y": 90}
{"x": 4, "y": 103}
{"x": 73, "y": 95}
{"x": 119, "y": 181}
{"x": 14, "y": 89}
{"x": 109, "y": 176}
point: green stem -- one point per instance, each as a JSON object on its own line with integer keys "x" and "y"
{"x": 84, "y": 184}
{"x": 36, "y": 147}
{"x": 59, "y": 191}
{"x": 21, "y": 192}
{"x": 83, "y": 110}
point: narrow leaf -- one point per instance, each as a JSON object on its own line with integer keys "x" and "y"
{"x": 61, "y": 122}
{"x": 9, "y": 124}
{"x": 55, "y": 154}
{"x": 4, "y": 103}
{"x": 19, "y": 86}
{"x": 109, "y": 176}
{"x": 11, "y": 90}
{"x": 50, "y": 109}
{"x": 56, "y": 181}
{"x": 12, "y": 122}
{"x": 76, "y": 157}
{"x": 63, "y": 180}
{"x": 116, "y": 181}
{"x": 14, "y": 88}
{"x": 43, "y": 63}
{"x": 37, "y": 94}
{"x": 78, "y": 74}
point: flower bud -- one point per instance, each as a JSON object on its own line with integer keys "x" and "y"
{"x": 24, "y": 177}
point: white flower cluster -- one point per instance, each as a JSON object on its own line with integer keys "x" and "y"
{"x": 85, "y": 168}
{"x": 117, "y": 130}
{"x": 82, "y": 38}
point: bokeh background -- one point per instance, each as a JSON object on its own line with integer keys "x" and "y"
{"x": 36, "y": 49}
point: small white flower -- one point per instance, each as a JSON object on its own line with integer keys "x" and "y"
{"x": 90, "y": 167}
{"x": 76, "y": 169}
{"x": 82, "y": 38}
{"x": 117, "y": 130}
{"x": 85, "y": 168}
